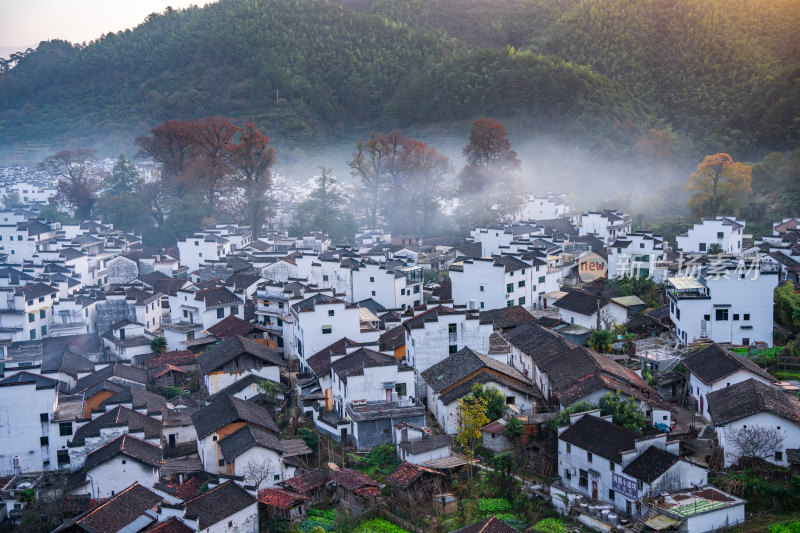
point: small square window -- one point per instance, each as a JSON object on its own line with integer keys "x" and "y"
{"x": 214, "y": 438}
{"x": 221, "y": 312}
{"x": 452, "y": 348}
{"x": 41, "y": 299}
{"x": 65, "y": 429}
{"x": 736, "y": 316}
{"x": 276, "y": 477}
{"x": 222, "y": 462}
{"x": 372, "y": 279}
{"x": 331, "y": 312}
{"x": 747, "y": 316}
{"x": 44, "y": 441}
{"x": 482, "y": 288}
{"x": 42, "y": 313}
{"x": 589, "y": 457}
{"x": 327, "y": 329}
{"x": 44, "y": 418}
{"x": 611, "y": 494}
{"x": 779, "y": 456}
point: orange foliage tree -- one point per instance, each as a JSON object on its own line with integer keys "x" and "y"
{"x": 719, "y": 184}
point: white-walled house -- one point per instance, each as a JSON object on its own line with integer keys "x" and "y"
{"x": 623, "y": 468}
{"x": 198, "y": 304}
{"x": 606, "y": 225}
{"x": 755, "y": 405}
{"x": 635, "y": 255}
{"x": 714, "y": 368}
{"x": 438, "y": 331}
{"x": 495, "y": 240}
{"x": 545, "y": 206}
{"x": 111, "y": 468}
{"x": 730, "y": 302}
{"x": 27, "y": 311}
{"x": 320, "y": 318}
{"x": 225, "y": 508}
{"x": 582, "y": 308}
{"x": 451, "y": 379}
{"x": 255, "y": 455}
{"x": 493, "y": 282}
{"x": 725, "y": 231}
{"x": 393, "y": 284}
{"x": 200, "y": 248}
{"x": 237, "y": 358}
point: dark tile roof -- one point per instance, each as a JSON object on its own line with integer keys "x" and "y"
{"x": 715, "y": 363}
{"x": 582, "y": 302}
{"x": 461, "y": 364}
{"x": 426, "y": 444}
{"x": 232, "y": 325}
{"x": 506, "y": 317}
{"x": 35, "y": 290}
{"x": 407, "y": 473}
{"x": 120, "y": 510}
{"x": 143, "y": 451}
{"x": 126, "y": 372}
{"x": 393, "y": 338}
{"x": 354, "y": 363}
{"x": 233, "y": 347}
{"x": 29, "y": 378}
{"x": 651, "y": 464}
{"x": 616, "y": 439}
{"x": 169, "y": 286}
{"x": 320, "y": 362}
{"x": 225, "y": 410}
{"x": 280, "y": 499}
{"x": 171, "y": 525}
{"x": 488, "y": 525}
{"x": 152, "y": 277}
{"x": 310, "y": 303}
{"x": 557, "y": 226}
{"x": 244, "y": 438}
{"x": 118, "y": 417}
{"x": 141, "y": 297}
{"x": 431, "y": 315}
{"x": 354, "y": 481}
{"x": 139, "y": 398}
{"x": 219, "y": 503}
{"x": 217, "y": 296}
{"x": 306, "y": 482}
{"x": 510, "y": 263}
{"x": 748, "y": 398}
{"x": 176, "y": 358}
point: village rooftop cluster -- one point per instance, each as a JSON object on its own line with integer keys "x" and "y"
{"x": 162, "y": 389}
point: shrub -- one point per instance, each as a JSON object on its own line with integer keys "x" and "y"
{"x": 550, "y": 525}
{"x": 379, "y": 525}
{"x": 492, "y": 506}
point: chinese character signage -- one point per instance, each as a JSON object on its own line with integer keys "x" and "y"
{"x": 624, "y": 486}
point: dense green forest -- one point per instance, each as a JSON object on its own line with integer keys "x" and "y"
{"x": 300, "y": 69}
{"x": 723, "y": 72}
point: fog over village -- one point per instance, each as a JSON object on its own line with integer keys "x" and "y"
{"x": 419, "y": 266}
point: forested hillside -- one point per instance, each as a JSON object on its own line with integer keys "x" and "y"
{"x": 302, "y": 69}
{"x": 721, "y": 71}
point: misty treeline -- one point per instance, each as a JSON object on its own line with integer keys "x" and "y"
{"x": 211, "y": 170}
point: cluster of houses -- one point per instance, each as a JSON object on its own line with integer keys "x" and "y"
{"x": 377, "y": 343}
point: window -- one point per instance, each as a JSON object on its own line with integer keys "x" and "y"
{"x": 611, "y": 466}
{"x": 324, "y": 277}
{"x": 276, "y": 477}
{"x": 510, "y": 303}
{"x": 706, "y": 317}
{"x": 62, "y": 456}
{"x": 510, "y": 400}
{"x": 521, "y": 283}
{"x": 482, "y": 305}
{"x": 779, "y": 456}
{"x": 452, "y": 348}
{"x": 416, "y": 289}
{"x": 569, "y": 448}
{"x": 44, "y": 331}
{"x": 372, "y": 279}
{"x": 230, "y": 523}
{"x": 510, "y": 287}
{"x": 65, "y": 429}
{"x": 452, "y": 329}
{"x": 677, "y": 313}
{"x": 583, "y": 480}
{"x": 522, "y": 301}
{"x": 702, "y": 247}
{"x": 280, "y": 323}
{"x": 185, "y": 313}
{"x": 373, "y": 293}
{"x": 327, "y": 328}
{"x": 720, "y": 235}
{"x": 402, "y": 292}
{"x": 641, "y": 245}
{"x": 42, "y": 313}
{"x": 736, "y": 316}
{"x": 541, "y": 279}
{"x": 197, "y": 243}
{"x": 611, "y": 494}
{"x": 234, "y": 309}
{"x": 33, "y": 334}
{"x": 747, "y": 316}
{"x": 220, "y": 312}
{"x": 44, "y": 441}
{"x": 331, "y": 312}
{"x": 214, "y": 438}
{"x": 482, "y": 289}
{"x": 200, "y": 254}
{"x": 400, "y": 389}
{"x": 588, "y": 457}
{"x": 31, "y": 317}
{"x": 722, "y": 314}
{"x": 124, "y": 461}
{"x": 44, "y": 418}
{"x": 222, "y": 462}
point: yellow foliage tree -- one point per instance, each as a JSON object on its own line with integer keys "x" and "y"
{"x": 718, "y": 184}
{"x": 471, "y": 412}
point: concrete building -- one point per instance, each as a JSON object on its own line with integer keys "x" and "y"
{"x": 725, "y": 231}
